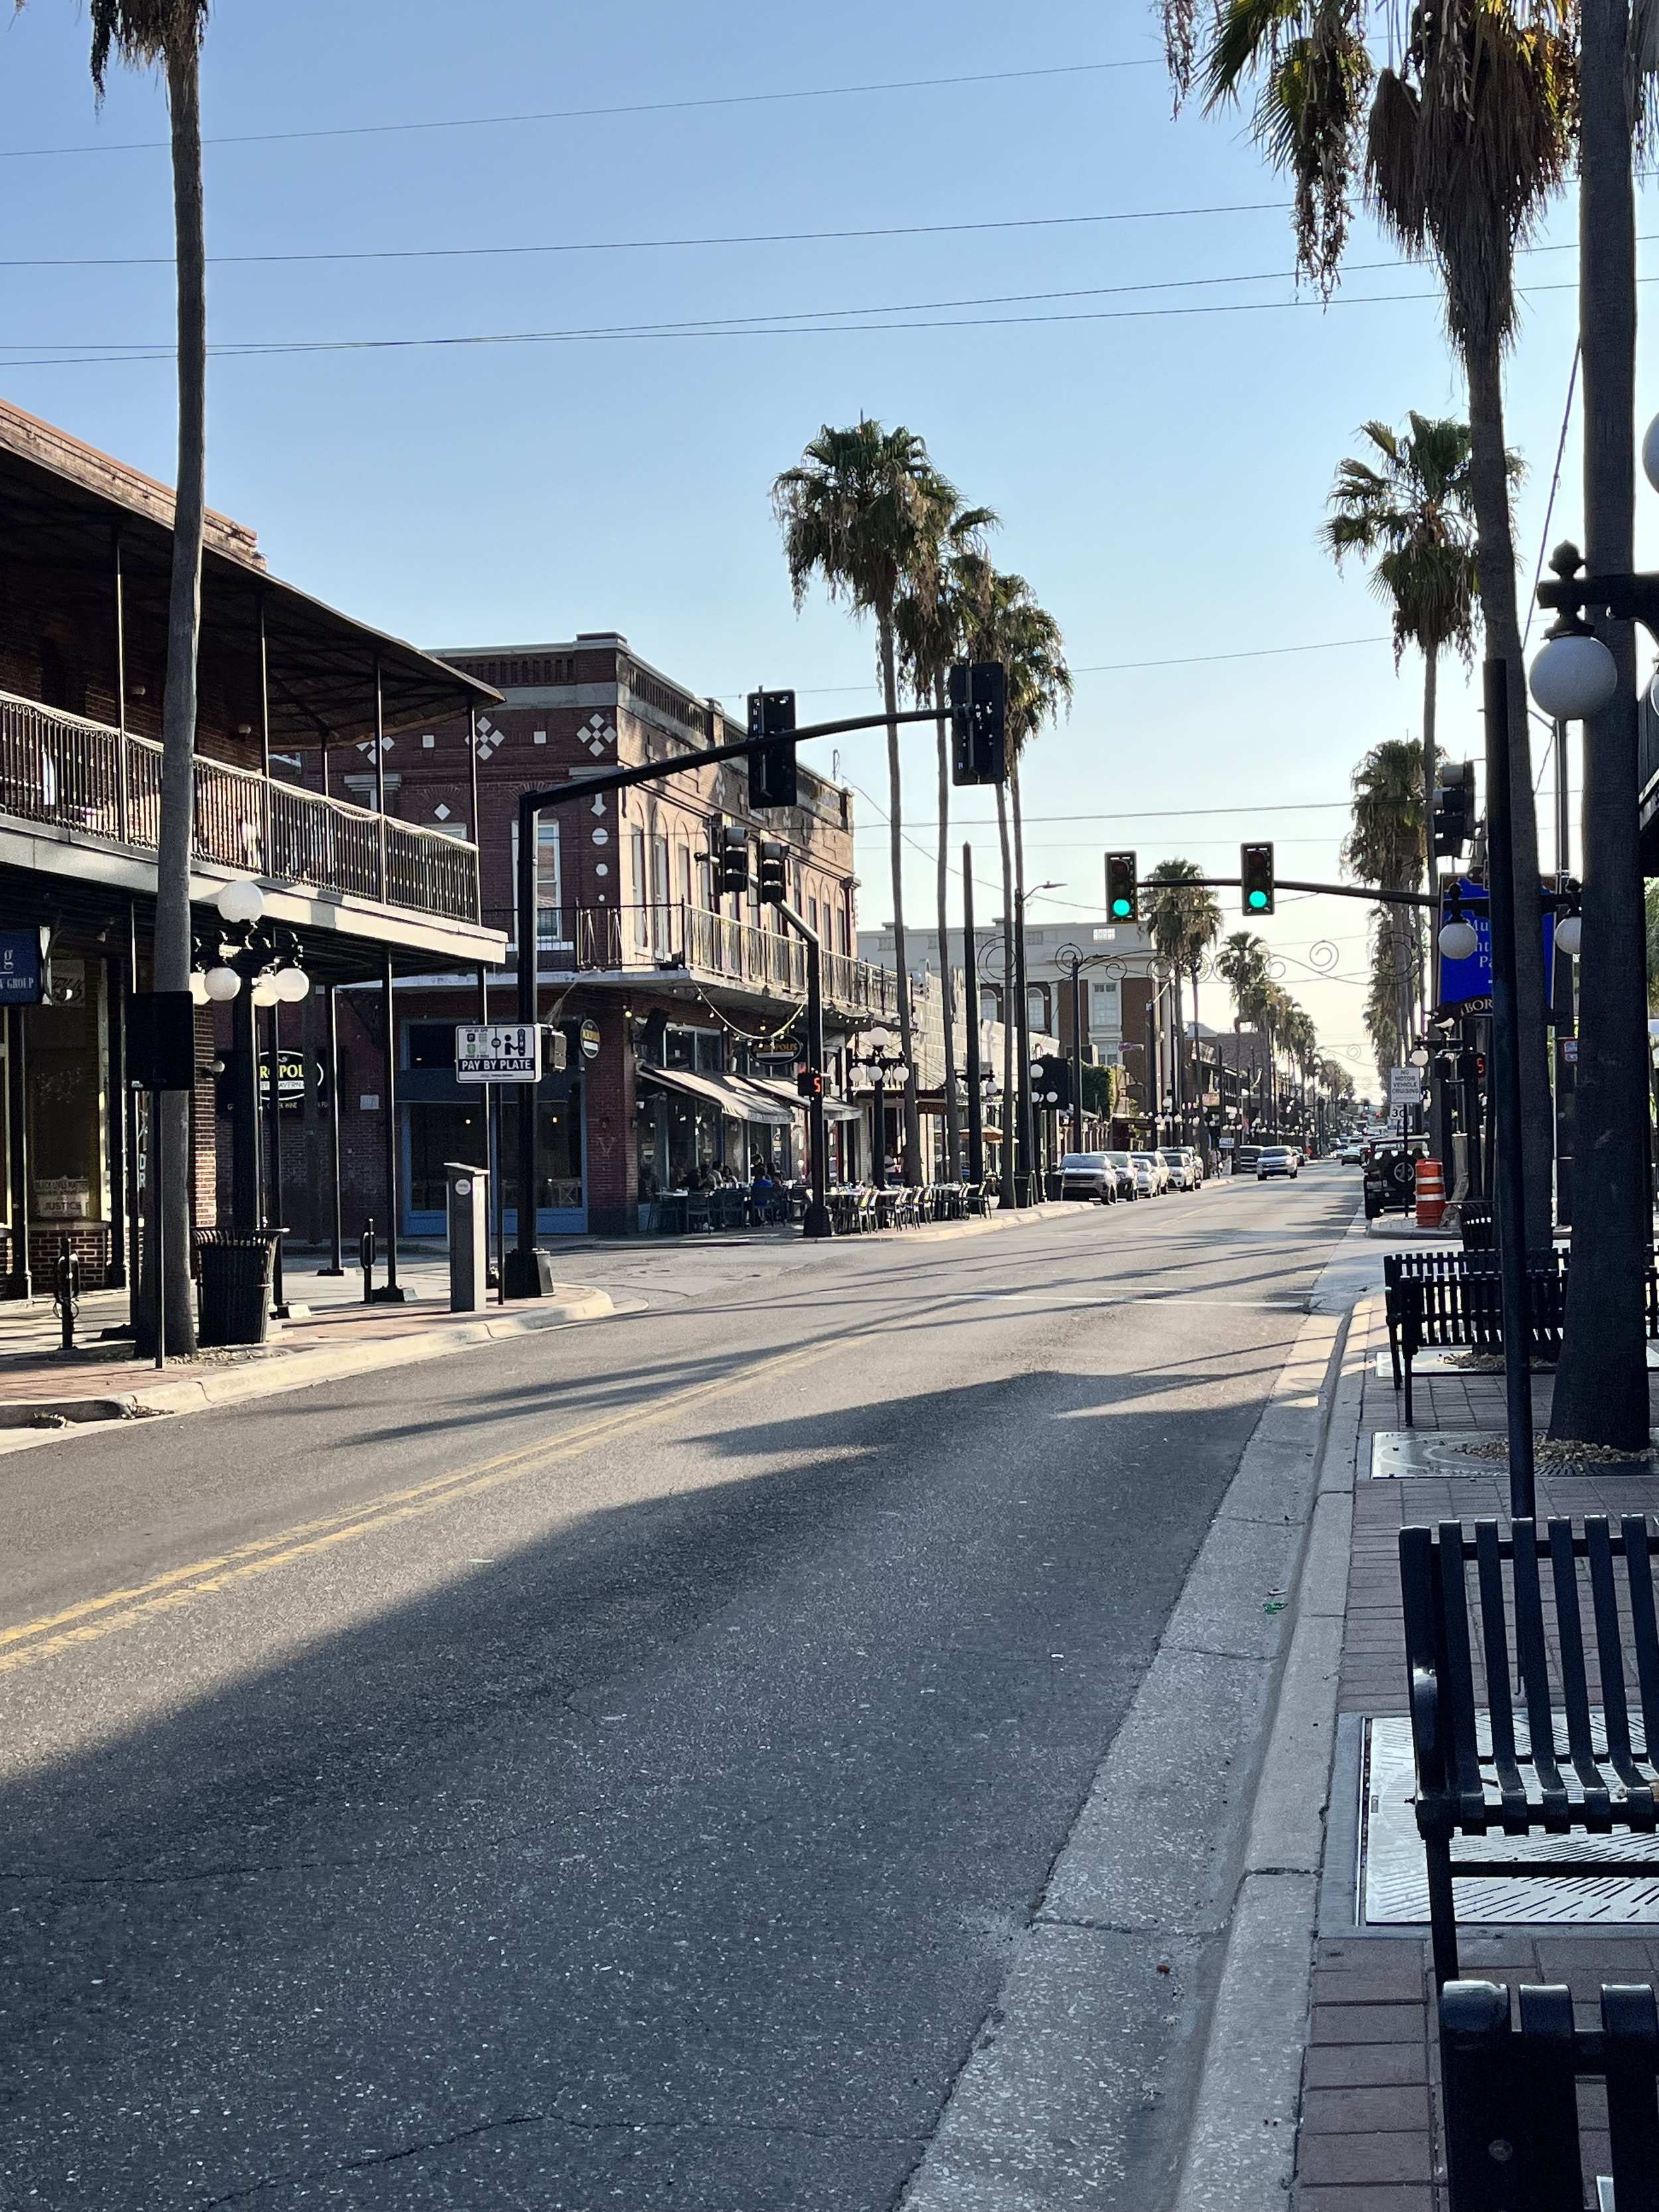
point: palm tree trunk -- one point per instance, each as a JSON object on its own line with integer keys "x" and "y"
{"x": 1027, "y": 1150}
{"x": 173, "y": 950}
{"x": 1005, "y": 1157}
{"x": 952, "y": 1131}
{"x": 1601, "y": 1387}
{"x": 896, "y": 848}
{"x": 1430, "y": 764}
{"x": 1495, "y": 564}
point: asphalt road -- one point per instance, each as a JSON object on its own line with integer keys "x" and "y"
{"x": 610, "y": 1768}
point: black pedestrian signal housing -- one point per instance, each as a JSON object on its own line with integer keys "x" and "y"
{"x": 1122, "y": 892}
{"x": 1051, "y": 1082}
{"x": 734, "y": 858}
{"x": 772, "y": 765}
{"x": 773, "y": 854}
{"x": 979, "y": 722}
{"x": 809, "y": 1082}
{"x": 1256, "y": 870}
{"x": 1454, "y": 809}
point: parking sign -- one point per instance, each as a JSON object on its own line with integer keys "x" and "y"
{"x": 498, "y": 1052}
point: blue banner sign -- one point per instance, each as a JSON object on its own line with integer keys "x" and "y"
{"x": 20, "y": 975}
{"x": 1461, "y": 981}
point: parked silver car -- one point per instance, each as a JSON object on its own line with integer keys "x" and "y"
{"x": 1153, "y": 1175}
{"x": 1185, "y": 1173}
{"x": 1088, "y": 1176}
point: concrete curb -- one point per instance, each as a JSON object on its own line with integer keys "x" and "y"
{"x": 29, "y": 1422}
{"x": 1241, "y": 2146}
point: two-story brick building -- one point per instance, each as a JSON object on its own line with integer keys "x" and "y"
{"x": 681, "y": 1010}
{"x": 86, "y": 548}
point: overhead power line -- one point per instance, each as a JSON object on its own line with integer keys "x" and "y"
{"x": 795, "y": 325}
{"x": 654, "y": 244}
{"x": 580, "y": 114}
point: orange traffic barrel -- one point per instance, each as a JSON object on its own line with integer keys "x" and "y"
{"x": 1431, "y": 1193}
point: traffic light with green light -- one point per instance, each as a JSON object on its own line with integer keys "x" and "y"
{"x": 1122, "y": 896}
{"x": 1255, "y": 869}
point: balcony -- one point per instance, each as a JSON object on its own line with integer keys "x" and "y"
{"x": 678, "y": 940}
{"x": 82, "y": 776}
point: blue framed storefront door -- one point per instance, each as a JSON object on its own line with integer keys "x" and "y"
{"x": 443, "y": 1119}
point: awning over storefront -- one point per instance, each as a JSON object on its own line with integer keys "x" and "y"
{"x": 744, "y": 1102}
{"x": 835, "y": 1110}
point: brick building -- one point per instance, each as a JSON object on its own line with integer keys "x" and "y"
{"x": 681, "y": 1011}
{"x": 85, "y": 565}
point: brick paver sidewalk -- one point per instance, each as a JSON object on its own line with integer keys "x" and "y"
{"x": 1369, "y": 2140}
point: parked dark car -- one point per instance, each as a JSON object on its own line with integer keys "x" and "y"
{"x": 1391, "y": 1176}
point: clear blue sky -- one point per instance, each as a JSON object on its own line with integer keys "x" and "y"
{"x": 1155, "y": 419}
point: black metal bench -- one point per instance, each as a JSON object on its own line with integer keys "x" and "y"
{"x": 1556, "y": 1781}
{"x": 1511, "y": 2100}
{"x": 1465, "y": 1312}
{"x": 1474, "y": 1219}
{"x": 1424, "y": 1267}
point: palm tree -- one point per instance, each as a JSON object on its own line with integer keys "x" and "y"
{"x": 1409, "y": 510}
{"x": 1183, "y": 923}
{"x": 1012, "y": 628}
{"x": 932, "y": 619}
{"x": 1463, "y": 138}
{"x": 1385, "y": 847}
{"x": 864, "y": 512}
{"x": 1242, "y": 964}
{"x": 167, "y": 35}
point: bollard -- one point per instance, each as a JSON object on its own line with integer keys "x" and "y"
{"x": 67, "y": 1297}
{"x": 366, "y": 1260}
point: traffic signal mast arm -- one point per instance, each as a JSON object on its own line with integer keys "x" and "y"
{"x": 580, "y": 787}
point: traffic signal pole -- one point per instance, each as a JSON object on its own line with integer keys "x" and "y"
{"x": 523, "y": 1275}
{"x": 817, "y": 1221}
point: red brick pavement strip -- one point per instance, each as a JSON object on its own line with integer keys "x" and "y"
{"x": 1369, "y": 2139}
{"x": 346, "y": 1337}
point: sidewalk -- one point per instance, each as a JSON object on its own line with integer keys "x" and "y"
{"x": 1368, "y": 2128}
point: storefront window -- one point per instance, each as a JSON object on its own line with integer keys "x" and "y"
{"x": 438, "y": 1134}
{"x": 558, "y": 1150}
{"x": 64, "y": 1053}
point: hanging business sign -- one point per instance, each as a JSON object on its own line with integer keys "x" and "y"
{"x": 291, "y": 1079}
{"x": 498, "y": 1052}
{"x": 590, "y": 1040}
{"x": 21, "y": 969}
{"x": 1466, "y": 984}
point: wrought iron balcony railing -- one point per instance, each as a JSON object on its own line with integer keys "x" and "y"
{"x": 638, "y": 939}
{"x": 82, "y": 775}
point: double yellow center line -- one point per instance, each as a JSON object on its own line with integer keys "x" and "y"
{"x": 32, "y": 1642}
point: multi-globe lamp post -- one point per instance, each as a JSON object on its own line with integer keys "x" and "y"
{"x": 247, "y": 962}
{"x": 879, "y": 1065}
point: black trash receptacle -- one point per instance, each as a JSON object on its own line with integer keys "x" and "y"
{"x": 236, "y": 1279}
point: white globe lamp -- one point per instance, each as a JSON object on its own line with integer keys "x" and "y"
{"x": 240, "y": 901}
{"x": 1573, "y": 677}
{"x": 1458, "y": 941}
{"x": 198, "y": 989}
{"x": 223, "y": 985}
{"x": 1651, "y": 454}
{"x": 1569, "y": 935}
{"x": 293, "y": 985}
{"x": 265, "y": 993}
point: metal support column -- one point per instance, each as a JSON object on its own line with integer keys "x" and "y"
{"x": 336, "y": 1256}
{"x": 970, "y": 976}
{"x": 124, "y": 797}
{"x": 244, "y": 1145}
{"x": 274, "y": 1221}
{"x": 115, "y": 998}
{"x": 380, "y": 800}
{"x": 390, "y": 1293}
{"x": 524, "y": 1278}
{"x": 1509, "y": 1209}
{"x": 1077, "y": 1052}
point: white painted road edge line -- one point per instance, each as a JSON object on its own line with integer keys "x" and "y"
{"x": 1090, "y": 2059}
{"x": 1241, "y": 2147}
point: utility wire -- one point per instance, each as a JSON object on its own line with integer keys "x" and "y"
{"x": 740, "y": 327}
{"x": 581, "y": 114}
{"x": 656, "y": 245}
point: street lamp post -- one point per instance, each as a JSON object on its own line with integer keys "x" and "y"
{"x": 970, "y": 990}
{"x": 1024, "y": 1167}
{"x": 878, "y": 1063}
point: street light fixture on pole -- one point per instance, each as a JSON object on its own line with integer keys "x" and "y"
{"x": 877, "y": 1065}
{"x": 1025, "y": 1156}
